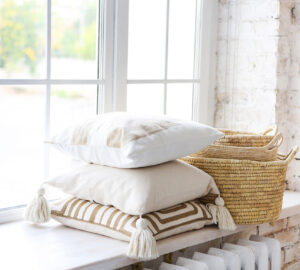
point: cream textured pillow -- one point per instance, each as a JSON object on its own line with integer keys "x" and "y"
{"x": 126, "y": 140}
{"x": 109, "y": 221}
{"x": 137, "y": 191}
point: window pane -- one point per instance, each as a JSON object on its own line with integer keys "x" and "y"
{"x": 147, "y": 31}
{"x": 69, "y": 104}
{"x": 181, "y": 39}
{"x": 145, "y": 98}
{"x": 73, "y": 36}
{"x": 21, "y": 132}
{"x": 22, "y": 39}
{"x": 180, "y": 100}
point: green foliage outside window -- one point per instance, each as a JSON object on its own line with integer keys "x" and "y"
{"x": 23, "y": 38}
{"x": 20, "y": 25}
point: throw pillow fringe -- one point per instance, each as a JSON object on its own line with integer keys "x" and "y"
{"x": 221, "y": 215}
{"x": 142, "y": 245}
{"x": 38, "y": 210}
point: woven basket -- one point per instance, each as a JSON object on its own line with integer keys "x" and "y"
{"x": 252, "y": 190}
{"x": 246, "y": 139}
{"x": 264, "y": 153}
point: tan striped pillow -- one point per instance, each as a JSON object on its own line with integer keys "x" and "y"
{"x": 109, "y": 221}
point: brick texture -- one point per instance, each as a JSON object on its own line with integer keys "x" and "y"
{"x": 268, "y": 228}
{"x": 258, "y": 70}
{"x": 247, "y": 64}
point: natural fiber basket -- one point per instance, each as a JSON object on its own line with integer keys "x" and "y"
{"x": 264, "y": 153}
{"x": 246, "y": 139}
{"x": 252, "y": 190}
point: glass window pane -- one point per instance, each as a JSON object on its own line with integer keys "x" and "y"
{"x": 22, "y": 115}
{"x": 69, "y": 104}
{"x": 73, "y": 36}
{"x": 146, "y": 43}
{"x": 22, "y": 39}
{"x": 181, "y": 39}
{"x": 180, "y": 100}
{"x": 145, "y": 98}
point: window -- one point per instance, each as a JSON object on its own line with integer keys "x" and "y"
{"x": 51, "y": 62}
{"x": 162, "y": 56}
{"x": 62, "y": 61}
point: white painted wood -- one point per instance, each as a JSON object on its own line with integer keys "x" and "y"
{"x": 120, "y": 55}
{"x": 46, "y": 81}
{"x": 47, "y": 88}
{"x": 163, "y": 81}
{"x": 166, "y": 56}
{"x": 48, "y": 39}
{"x": 59, "y": 247}
{"x": 106, "y": 79}
{"x": 11, "y": 214}
{"x": 204, "y": 92}
{"x": 100, "y": 54}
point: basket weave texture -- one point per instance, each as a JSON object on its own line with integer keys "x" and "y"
{"x": 246, "y": 139}
{"x": 263, "y": 153}
{"x": 252, "y": 190}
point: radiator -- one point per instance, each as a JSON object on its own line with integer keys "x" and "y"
{"x": 257, "y": 253}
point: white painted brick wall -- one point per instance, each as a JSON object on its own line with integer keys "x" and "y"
{"x": 258, "y": 70}
{"x": 246, "y": 64}
{"x": 288, "y": 84}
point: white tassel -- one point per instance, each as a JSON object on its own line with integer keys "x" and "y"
{"x": 142, "y": 244}
{"x": 38, "y": 210}
{"x": 221, "y": 215}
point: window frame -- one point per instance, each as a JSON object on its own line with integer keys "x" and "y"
{"x": 204, "y": 60}
{"x": 111, "y": 81}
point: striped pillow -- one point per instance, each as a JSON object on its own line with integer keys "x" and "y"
{"x": 109, "y": 221}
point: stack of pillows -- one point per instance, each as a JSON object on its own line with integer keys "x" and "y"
{"x": 132, "y": 187}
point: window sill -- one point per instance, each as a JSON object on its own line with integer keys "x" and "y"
{"x": 53, "y": 246}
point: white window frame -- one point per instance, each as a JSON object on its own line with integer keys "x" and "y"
{"x": 205, "y": 56}
{"x": 101, "y": 81}
{"x": 112, "y": 79}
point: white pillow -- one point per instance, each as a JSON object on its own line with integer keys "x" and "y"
{"x": 126, "y": 140}
{"x": 137, "y": 191}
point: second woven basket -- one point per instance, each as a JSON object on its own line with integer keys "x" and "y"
{"x": 262, "y": 153}
{"x": 246, "y": 139}
{"x": 252, "y": 190}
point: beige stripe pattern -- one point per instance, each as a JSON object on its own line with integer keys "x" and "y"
{"x": 113, "y": 219}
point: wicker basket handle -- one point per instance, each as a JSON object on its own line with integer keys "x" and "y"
{"x": 269, "y": 130}
{"x": 275, "y": 142}
{"x": 289, "y": 157}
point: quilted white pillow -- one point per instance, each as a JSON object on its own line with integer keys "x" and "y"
{"x": 126, "y": 140}
{"x": 137, "y": 191}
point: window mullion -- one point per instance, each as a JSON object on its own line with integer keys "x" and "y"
{"x": 48, "y": 68}
{"x": 206, "y": 22}
{"x": 105, "y": 85}
{"x": 120, "y": 55}
{"x": 166, "y": 57}
{"x": 197, "y": 59}
{"x": 48, "y": 40}
{"x": 99, "y": 56}
{"x": 48, "y": 86}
